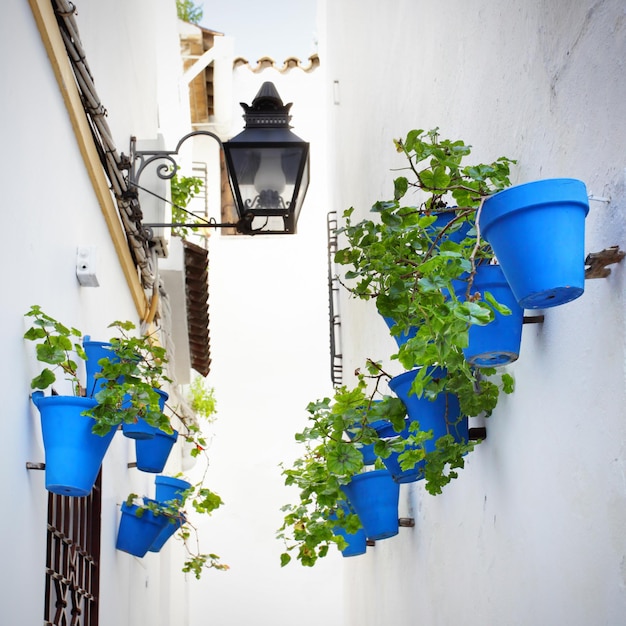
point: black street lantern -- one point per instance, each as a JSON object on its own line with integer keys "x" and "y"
{"x": 268, "y": 167}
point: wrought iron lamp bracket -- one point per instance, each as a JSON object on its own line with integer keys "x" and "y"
{"x": 140, "y": 159}
{"x": 166, "y": 168}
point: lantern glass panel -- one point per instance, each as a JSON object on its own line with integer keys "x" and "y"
{"x": 266, "y": 182}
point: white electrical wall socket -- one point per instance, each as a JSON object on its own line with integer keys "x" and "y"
{"x": 86, "y": 266}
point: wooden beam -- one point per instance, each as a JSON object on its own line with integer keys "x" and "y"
{"x": 53, "y": 42}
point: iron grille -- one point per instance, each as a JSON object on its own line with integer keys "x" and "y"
{"x": 336, "y": 366}
{"x": 72, "y": 559}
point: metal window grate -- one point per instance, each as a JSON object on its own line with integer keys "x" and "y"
{"x": 72, "y": 559}
{"x": 336, "y": 366}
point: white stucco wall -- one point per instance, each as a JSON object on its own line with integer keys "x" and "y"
{"x": 269, "y": 330}
{"x": 49, "y": 209}
{"x": 532, "y": 531}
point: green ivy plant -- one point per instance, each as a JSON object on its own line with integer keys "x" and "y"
{"x": 183, "y": 189}
{"x": 202, "y": 402}
{"x": 189, "y": 11}
{"x": 56, "y": 345}
{"x": 331, "y": 456}
{"x": 129, "y": 381}
{"x": 409, "y": 263}
{"x": 204, "y": 501}
{"x": 410, "y": 258}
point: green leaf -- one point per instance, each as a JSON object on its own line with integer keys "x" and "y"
{"x": 401, "y": 185}
{"x": 344, "y": 459}
{"x": 34, "y": 333}
{"x": 50, "y": 354}
{"x": 508, "y": 383}
{"x": 501, "y": 308}
{"x": 43, "y": 380}
{"x": 440, "y": 178}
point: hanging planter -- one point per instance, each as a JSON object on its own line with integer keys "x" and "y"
{"x": 456, "y": 235}
{"x": 140, "y": 428}
{"x": 152, "y": 454}
{"x": 166, "y": 532}
{"x": 537, "y": 231}
{"x": 374, "y": 497}
{"x": 498, "y": 342}
{"x": 137, "y": 533}
{"x": 403, "y": 337}
{"x": 170, "y": 490}
{"x": 367, "y": 450}
{"x": 441, "y": 415}
{"x": 73, "y": 453}
{"x": 95, "y": 351}
{"x": 357, "y": 541}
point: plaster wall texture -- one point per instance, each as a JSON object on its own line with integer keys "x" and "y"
{"x": 49, "y": 209}
{"x": 532, "y": 530}
{"x": 269, "y": 329}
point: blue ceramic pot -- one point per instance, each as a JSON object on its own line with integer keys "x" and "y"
{"x": 95, "y": 351}
{"x": 498, "y": 342}
{"x": 537, "y": 232}
{"x": 168, "y": 489}
{"x": 140, "y": 429}
{"x": 374, "y": 497}
{"x": 166, "y": 532}
{"x": 136, "y": 534}
{"x": 441, "y": 415}
{"x": 357, "y": 542}
{"x": 73, "y": 454}
{"x": 152, "y": 453}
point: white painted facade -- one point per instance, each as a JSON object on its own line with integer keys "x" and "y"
{"x": 264, "y": 292}
{"x": 532, "y": 532}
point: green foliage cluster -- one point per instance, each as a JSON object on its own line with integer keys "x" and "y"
{"x": 202, "y": 402}
{"x": 413, "y": 258}
{"x": 129, "y": 382}
{"x": 202, "y": 399}
{"x": 416, "y": 258}
{"x": 188, "y": 11}
{"x": 204, "y": 501}
{"x": 129, "y": 378}
{"x": 337, "y": 430}
{"x": 183, "y": 189}
{"x": 56, "y": 345}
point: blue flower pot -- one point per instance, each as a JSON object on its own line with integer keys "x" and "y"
{"x": 73, "y": 454}
{"x": 498, "y": 342}
{"x": 166, "y": 532}
{"x": 403, "y": 337}
{"x": 152, "y": 453}
{"x": 537, "y": 232}
{"x": 95, "y": 351}
{"x": 367, "y": 450}
{"x": 374, "y": 497}
{"x": 456, "y": 236}
{"x": 140, "y": 429}
{"x": 168, "y": 489}
{"x": 445, "y": 218}
{"x": 135, "y": 534}
{"x": 441, "y": 415}
{"x": 357, "y": 542}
